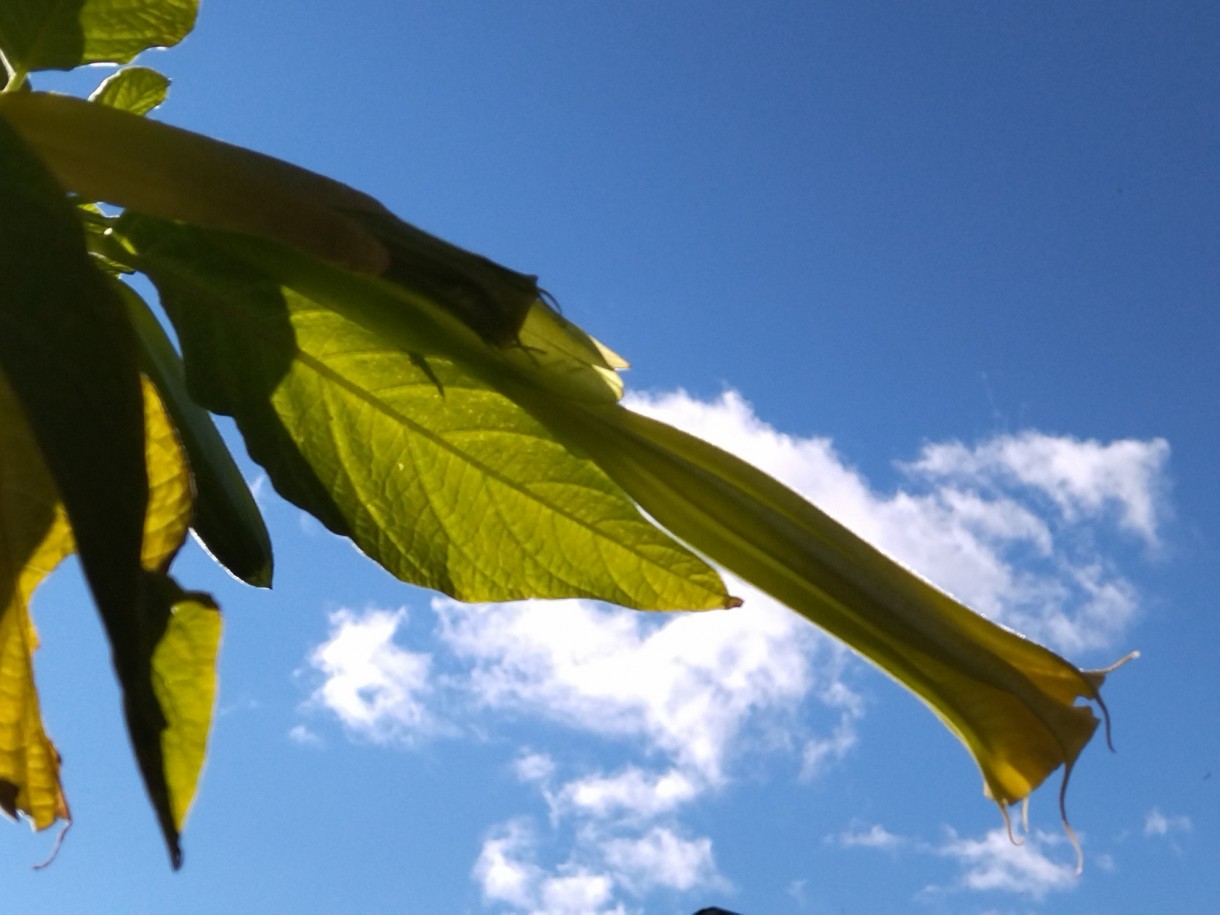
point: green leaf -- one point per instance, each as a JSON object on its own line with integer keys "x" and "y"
{"x": 135, "y": 89}
{"x": 62, "y": 34}
{"x": 431, "y": 471}
{"x": 227, "y": 520}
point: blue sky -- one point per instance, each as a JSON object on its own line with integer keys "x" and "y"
{"x": 952, "y": 270}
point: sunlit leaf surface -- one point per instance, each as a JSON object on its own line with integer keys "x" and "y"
{"x": 166, "y": 661}
{"x": 62, "y": 34}
{"x": 184, "y": 681}
{"x": 135, "y": 89}
{"x": 432, "y": 472}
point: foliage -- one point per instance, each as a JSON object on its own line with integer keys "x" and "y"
{"x": 415, "y": 397}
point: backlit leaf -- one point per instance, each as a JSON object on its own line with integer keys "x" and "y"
{"x": 431, "y": 471}
{"x": 106, "y": 154}
{"x": 169, "y": 487}
{"x": 62, "y": 34}
{"x": 226, "y": 518}
{"x": 184, "y": 682}
{"x": 166, "y": 659}
{"x": 135, "y": 89}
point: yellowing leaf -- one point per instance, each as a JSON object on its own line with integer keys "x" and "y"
{"x": 168, "y": 671}
{"x": 226, "y": 518}
{"x": 184, "y": 681}
{"x": 169, "y": 487}
{"x": 34, "y": 537}
{"x": 167, "y": 663}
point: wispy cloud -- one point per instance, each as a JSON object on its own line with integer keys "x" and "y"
{"x": 663, "y": 858}
{"x": 1172, "y": 829}
{"x": 994, "y": 863}
{"x": 991, "y": 863}
{"x": 299, "y": 733}
{"x": 1005, "y": 524}
{"x": 1082, "y": 478}
{"x": 632, "y": 791}
{"x": 505, "y": 870}
{"x": 1158, "y": 825}
{"x": 874, "y": 836}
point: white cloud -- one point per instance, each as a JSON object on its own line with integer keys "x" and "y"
{"x": 632, "y": 792}
{"x": 660, "y": 857}
{"x": 1158, "y": 824}
{"x": 377, "y": 689}
{"x": 1082, "y": 478}
{"x": 686, "y": 684}
{"x": 820, "y": 753}
{"x": 504, "y": 871}
{"x": 304, "y": 736}
{"x": 680, "y": 688}
{"x": 579, "y": 894}
{"x": 507, "y": 870}
{"x": 534, "y": 767}
{"x": 876, "y": 836}
{"x": 994, "y": 863}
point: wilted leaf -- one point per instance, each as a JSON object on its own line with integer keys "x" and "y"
{"x": 62, "y": 34}
{"x": 34, "y": 537}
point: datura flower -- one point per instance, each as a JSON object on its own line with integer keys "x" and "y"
{"x": 1012, "y": 702}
